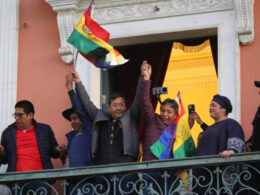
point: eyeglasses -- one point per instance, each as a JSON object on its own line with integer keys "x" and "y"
{"x": 19, "y": 115}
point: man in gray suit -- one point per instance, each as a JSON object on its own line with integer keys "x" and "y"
{"x": 115, "y": 134}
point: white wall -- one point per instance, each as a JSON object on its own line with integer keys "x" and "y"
{"x": 90, "y": 77}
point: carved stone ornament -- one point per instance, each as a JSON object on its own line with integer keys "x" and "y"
{"x": 245, "y": 18}
{"x": 66, "y": 19}
{"x": 116, "y": 11}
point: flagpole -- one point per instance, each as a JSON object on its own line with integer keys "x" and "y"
{"x": 92, "y": 1}
{"x": 75, "y": 60}
{"x": 74, "y": 66}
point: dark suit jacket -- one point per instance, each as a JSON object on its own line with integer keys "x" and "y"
{"x": 46, "y": 142}
{"x": 255, "y": 137}
{"x": 130, "y": 122}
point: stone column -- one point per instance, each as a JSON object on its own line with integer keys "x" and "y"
{"x": 9, "y": 27}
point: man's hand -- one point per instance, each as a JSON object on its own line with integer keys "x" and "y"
{"x": 76, "y": 77}
{"x": 146, "y": 70}
{"x": 69, "y": 79}
{"x": 226, "y": 153}
{"x": 63, "y": 152}
{"x": 2, "y": 149}
{"x": 62, "y": 148}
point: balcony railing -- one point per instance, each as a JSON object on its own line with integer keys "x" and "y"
{"x": 199, "y": 175}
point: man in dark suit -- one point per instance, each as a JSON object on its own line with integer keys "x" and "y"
{"x": 114, "y": 134}
{"x": 27, "y": 145}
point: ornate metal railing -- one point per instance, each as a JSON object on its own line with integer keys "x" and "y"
{"x": 200, "y": 175}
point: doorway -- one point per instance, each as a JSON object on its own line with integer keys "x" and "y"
{"x": 174, "y": 64}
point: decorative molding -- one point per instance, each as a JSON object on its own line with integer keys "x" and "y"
{"x": 116, "y": 11}
{"x": 245, "y": 20}
{"x": 66, "y": 19}
{"x": 61, "y": 5}
{"x": 65, "y": 25}
{"x": 205, "y": 82}
{"x": 142, "y": 10}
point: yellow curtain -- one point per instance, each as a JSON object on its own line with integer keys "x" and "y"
{"x": 191, "y": 70}
{"x": 191, "y": 49}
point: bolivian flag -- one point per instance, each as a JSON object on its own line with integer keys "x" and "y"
{"x": 89, "y": 37}
{"x": 91, "y": 40}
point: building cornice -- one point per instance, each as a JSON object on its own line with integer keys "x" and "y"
{"x": 111, "y": 12}
{"x": 143, "y": 9}
{"x": 62, "y": 5}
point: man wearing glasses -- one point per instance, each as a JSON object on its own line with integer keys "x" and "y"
{"x": 114, "y": 134}
{"x": 27, "y": 145}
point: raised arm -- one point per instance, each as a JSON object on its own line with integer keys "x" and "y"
{"x": 146, "y": 106}
{"x": 76, "y": 105}
{"x": 87, "y": 105}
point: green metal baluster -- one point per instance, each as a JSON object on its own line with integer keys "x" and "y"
{"x": 64, "y": 184}
{"x": 218, "y": 173}
{"x": 16, "y": 188}
{"x": 114, "y": 180}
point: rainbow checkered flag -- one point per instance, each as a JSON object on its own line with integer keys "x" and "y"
{"x": 162, "y": 148}
{"x": 184, "y": 145}
{"x": 176, "y": 140}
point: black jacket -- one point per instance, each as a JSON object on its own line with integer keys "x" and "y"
{"x": 46, "y": 142}
{"x": 255, "y": 138}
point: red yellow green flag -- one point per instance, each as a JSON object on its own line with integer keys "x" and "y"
{"x": 91, "y": 40}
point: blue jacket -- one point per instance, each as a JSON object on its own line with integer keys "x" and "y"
{"x": 46, "y": 142}
{"x": 79, "y": 144}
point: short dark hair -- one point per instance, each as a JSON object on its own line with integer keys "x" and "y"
{"x": 26, "y": 105}
{"x": 226, "y": 112}
{"x": 172, "y": 103}
{"x": 115, "y": 95}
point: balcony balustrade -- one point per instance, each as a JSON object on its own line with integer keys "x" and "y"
{"x": 235, "y": 175}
